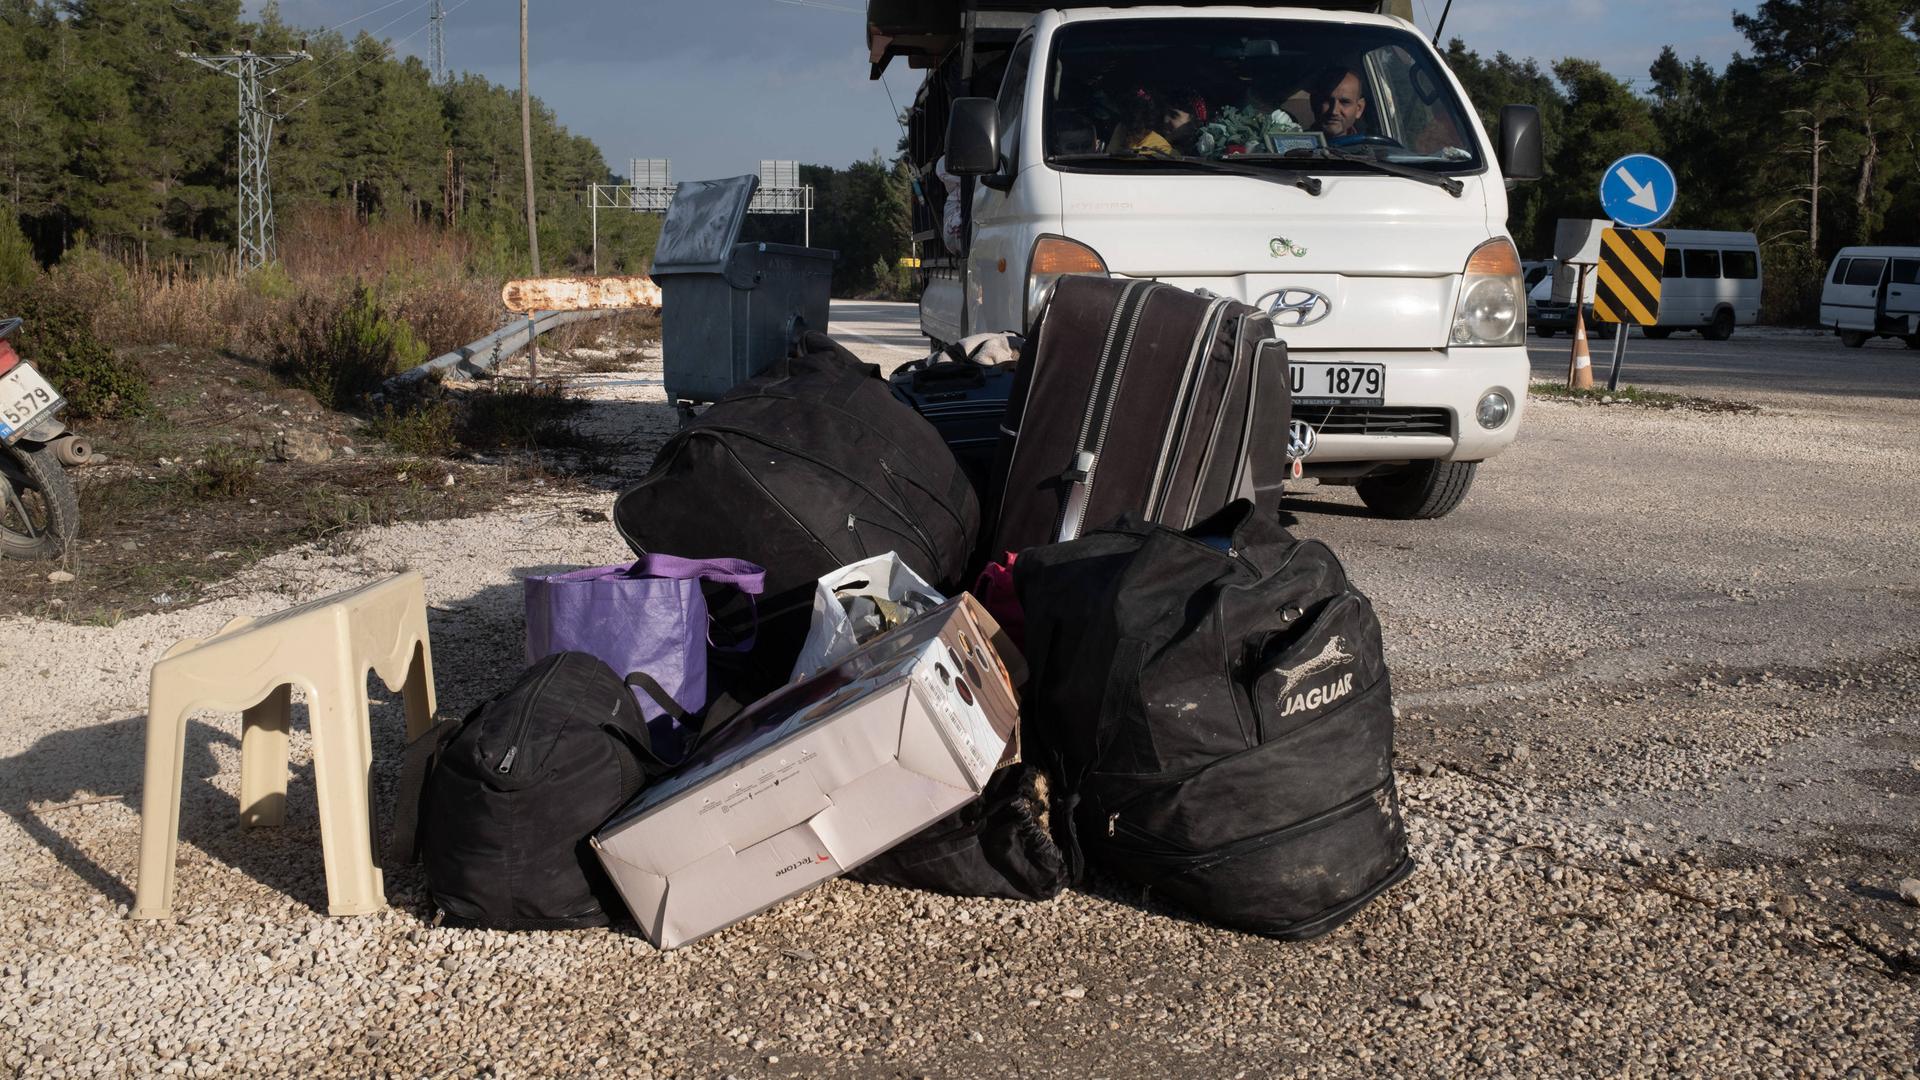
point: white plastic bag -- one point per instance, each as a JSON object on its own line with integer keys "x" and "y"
{"x": 833, "y": 634}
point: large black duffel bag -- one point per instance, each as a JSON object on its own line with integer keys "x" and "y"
{"x": 802, "y": 470}
{"x": 1217, "y": 712}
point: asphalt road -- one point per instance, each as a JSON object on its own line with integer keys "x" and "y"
{"x": 1761, "y": 364}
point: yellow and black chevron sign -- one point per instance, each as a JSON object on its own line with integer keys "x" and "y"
{"x": 1629, "y": 287}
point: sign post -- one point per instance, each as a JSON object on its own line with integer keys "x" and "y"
{"x": 1637, "y": 192}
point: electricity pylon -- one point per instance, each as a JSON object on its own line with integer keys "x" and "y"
{"x": 256, "y": 137}
{"x": 437, "y": 40}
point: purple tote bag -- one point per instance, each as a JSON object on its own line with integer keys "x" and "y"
{"x": 648, "y": 616}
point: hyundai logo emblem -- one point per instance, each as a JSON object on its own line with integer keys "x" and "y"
{"x": 1295, "y": 306}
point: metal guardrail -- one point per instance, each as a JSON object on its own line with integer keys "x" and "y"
{"x": 485, "y": 354}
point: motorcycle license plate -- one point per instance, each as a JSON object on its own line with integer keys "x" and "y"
{"x": 25, "y": 399}
{"x": 1339, "y": 384}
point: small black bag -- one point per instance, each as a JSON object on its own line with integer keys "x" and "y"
{"x": 499, "y": 804}
{"x": 1216, "y": 708}
{"x": 1000, "y": 845}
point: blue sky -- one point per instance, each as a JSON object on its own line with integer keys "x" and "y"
{"x": 718, "y": 85}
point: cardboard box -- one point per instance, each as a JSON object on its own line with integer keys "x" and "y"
{"x": 816, "y": 778}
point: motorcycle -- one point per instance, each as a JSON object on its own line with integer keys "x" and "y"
{"x": 39, "y": 513}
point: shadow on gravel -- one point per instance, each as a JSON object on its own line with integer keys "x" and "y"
{"x": 624, "y": 437}
{"x": 105, "y": 763}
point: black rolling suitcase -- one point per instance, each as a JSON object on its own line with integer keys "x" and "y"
{"x": 966, "y": 402}
{"x": 1138, "y": 396}
{"x": 1215, "y": 709}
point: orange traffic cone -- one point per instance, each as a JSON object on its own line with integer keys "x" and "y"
{"x": 1580, "y": 365}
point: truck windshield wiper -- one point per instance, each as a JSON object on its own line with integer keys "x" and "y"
{"x": 1388, "y": 168}
{"x": 1291, "y": 174}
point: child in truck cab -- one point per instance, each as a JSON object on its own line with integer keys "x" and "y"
{"x": 1161, "y": 123}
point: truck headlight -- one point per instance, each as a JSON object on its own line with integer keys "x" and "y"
{"x": 1490, "y": 310}
{"x": 1052, "y": 257}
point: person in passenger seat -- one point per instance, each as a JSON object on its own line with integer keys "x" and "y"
{"x": 1339, "y": 103}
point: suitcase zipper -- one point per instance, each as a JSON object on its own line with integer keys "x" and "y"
{"x": 526, "y": 718}
{"x": 1087, "y": 459}
{"x": 1219, "y": 421}
{"x": 926, "y": 542}
{"x": 1171, "y": 448}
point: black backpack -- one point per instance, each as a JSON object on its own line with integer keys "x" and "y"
{"x": 1217, "y": 711}
{"x": 498, "y": 805}
{"x": 802, "y": 470}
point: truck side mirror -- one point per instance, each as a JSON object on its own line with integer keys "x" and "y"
{"x": 1521, "y": 154}
{"x": 973, "y": 137}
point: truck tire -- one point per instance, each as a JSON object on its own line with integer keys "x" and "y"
{"x": 1419, "y": 492}
{"x": 1721, "y": 328}
{"x": 1656, "y": 333}
{"x": 1853, "y": 339}
{"x": 1543, "y": 331}
{"x": 1913, "y": 341}
{"x": 39, "y": 513}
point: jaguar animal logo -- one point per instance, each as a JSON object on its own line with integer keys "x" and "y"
{"x": 1332, "y": 655}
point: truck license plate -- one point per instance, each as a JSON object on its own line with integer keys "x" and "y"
{"x": 25, "y": 397}
{"x": 1339, "y": 384}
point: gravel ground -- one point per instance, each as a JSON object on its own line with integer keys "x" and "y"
{"x": 1660, "y": 757}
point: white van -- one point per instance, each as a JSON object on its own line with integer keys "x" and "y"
{"x": 1873, "y": 292}
{"x": 1381, "y": 249}
{"x": 1710, "y": 283}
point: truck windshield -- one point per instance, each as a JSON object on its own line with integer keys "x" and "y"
{"x": 1325, "y": 96}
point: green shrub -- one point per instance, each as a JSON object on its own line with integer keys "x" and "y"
{"x": 58, "y": 338}
{"x": 270, "y": 282}
{"x": 519, "y": 416}
{"x": 426, "y": 429}
{"x": 18, "y": 268}
{"x": 342, "y": 350}
{"x": 227, "y": 472}
{"x": 1790, "y": 295}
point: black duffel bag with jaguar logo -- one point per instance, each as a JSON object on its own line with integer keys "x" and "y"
{"x": 1215, "y": 708}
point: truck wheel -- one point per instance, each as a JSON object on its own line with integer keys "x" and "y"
{"x": 1419, "y": 492}
{"x": 1913, "y": 341}
{"x": 1543, "y": 331}
{"x": 1721, "y": 328}
{"x": 1656, "y": 333}
{"x": 1853, "y": 339}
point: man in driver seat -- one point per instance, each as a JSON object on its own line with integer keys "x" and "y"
{"x": 1338, "y": 104}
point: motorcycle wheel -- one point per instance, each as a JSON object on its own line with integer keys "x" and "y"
{"x": 39, "y": 513}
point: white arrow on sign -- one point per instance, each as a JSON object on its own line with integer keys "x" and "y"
{"x": 1643, "y": 195}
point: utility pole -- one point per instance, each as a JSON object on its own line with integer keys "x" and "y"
{"x": 437, "y": 40}
{"x": 526, "y": 144}
{"x": 256, "y": 245}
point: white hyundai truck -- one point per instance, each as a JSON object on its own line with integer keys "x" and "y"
{"x": 1317, "y": 160}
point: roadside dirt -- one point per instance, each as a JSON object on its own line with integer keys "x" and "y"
{"x": 231, "y": 466}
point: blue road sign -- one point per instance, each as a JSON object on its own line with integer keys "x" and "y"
{"x": 1637, "y": 191}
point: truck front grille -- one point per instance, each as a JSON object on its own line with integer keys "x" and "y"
{"x": 1375, "y": 419}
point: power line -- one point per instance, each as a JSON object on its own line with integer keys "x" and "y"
{"x": 364, "y": 14}
{"x": 313, "y": 73}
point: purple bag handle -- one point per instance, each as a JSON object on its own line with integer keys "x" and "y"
{"x": 749, "y": 578}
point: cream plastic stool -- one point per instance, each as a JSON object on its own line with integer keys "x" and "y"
{"x": 251, "y": 666}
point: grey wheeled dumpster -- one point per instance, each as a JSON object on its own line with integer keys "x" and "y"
{"x": 728, "y": 309}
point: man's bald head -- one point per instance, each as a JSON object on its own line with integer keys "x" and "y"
{"x": 1339, "y": 101}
